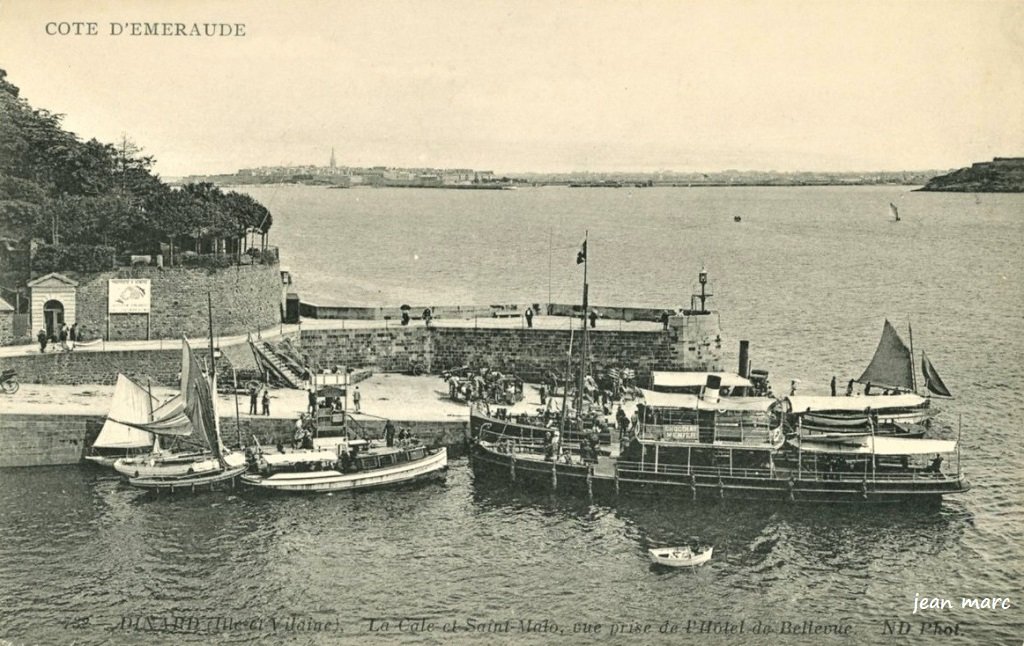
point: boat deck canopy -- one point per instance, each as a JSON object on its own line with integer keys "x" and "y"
{"x": 880, "y": 446}
{"x": 664, "y": 379}
{"x": 693, "y": 402}
{"x": 799, "y": 404}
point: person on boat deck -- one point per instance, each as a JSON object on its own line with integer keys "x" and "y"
{"x": 300, "y": 432}
{"x": 936, "y": 465}
{"x": 833, "y": 385}
{"x": 867, "y": 388}
{"x": 792, "y": 387}
{"x": 543, "y": 395}
{"x": 266, "y": 401}
{"x": 311, "y": 397}
{"x": 849, "y": 388}
{"x": 389, "y": 433}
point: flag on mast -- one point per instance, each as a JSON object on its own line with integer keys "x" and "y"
{"x": 581, "y": 255}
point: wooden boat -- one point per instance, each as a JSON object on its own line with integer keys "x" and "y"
{"x": 352, "y": 465}
{"x": 189, "y": 417}
{"x": 188, "y": 482}
{"x": 118, "y": 440}
{"x": 892, "y": 371}
{"x": 681, "y": 556}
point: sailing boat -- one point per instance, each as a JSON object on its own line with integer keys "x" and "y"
{"x": 895, "y": 212}
{"x": 116, "y": 440}
{"x": 891, "y": 369}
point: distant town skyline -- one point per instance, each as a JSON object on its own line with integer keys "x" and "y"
{"x": 521, "y": 87}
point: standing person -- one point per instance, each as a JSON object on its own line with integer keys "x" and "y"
{"x": 311, "y": 397}
{"x": 389, "y": 433}
{"x": 792, "y": 387}
{"x": 254, "y": 395}
{"x": 849, "y": 388}
{"x": 833, "y": 385}
{"x": 357, "y": 398}
{"x": 529, "y": 319}
{"x": 64, "y": 337}
{"x": 593, "y": 318}
{"x": 266, "y": 401}
{"x": 543, "y": 394}
{"x": 43, "y": 339}
{"x": 74, "y": 334}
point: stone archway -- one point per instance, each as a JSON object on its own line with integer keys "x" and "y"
{"x": 53, "y": 315}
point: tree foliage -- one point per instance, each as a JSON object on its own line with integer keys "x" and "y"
{"x": 71, "y": 194}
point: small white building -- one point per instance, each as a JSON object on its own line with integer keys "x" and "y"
{"x": 53, "y": 303}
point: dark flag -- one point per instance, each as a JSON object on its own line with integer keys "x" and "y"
{"x": 581, "y": 255}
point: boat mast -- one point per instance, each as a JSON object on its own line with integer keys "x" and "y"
{"x": 586, "y": 312}
{"x": 913, "y": 369}
{"x": 213, "y": 385}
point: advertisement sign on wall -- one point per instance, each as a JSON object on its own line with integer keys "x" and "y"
{"x": 128, "y": 296}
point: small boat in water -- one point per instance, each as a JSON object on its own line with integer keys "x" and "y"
{"x": 116, "y": 439}
{"x": 191, "y": 416}
{"x": 684, "y": 556}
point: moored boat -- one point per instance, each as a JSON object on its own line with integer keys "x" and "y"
{"x": 350, "y": 465}
{"x": 746, "y": 459}
{"x": 118, "y": 440}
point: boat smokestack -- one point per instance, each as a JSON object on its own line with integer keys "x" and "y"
{"x": 744, "y": 370}
{"x": 714, "y": 383}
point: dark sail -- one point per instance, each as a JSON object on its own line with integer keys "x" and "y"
{"x": 199, "y": 405}
{"x": 932, "y": 380}
{"x": 892, "y": 366}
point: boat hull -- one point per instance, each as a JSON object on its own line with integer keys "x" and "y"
{"x": 176, "y": 465}
{"x": 189, "y": 483}
{"x": 667, "y": 556}
{"x": 433, "y": 465}
{"x": 608, "y": 480}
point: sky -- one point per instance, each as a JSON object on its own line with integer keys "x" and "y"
{"x": 547, "y": 86}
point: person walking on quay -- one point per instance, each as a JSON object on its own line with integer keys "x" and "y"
{"x": 357, "y": 399}
{"x": 254, "y": 395}
{"x": 389, "y": 433}
{"x": 64, "y": 338}
{"x": 593, "y": 318}
{"x": 43, "y": 339}
{"x": 266, "y": 401}
{"x": 529, "y": 319}
{"x": 74, "y": 334}
{"x": 833, "y": 385}
{"x": 849, "y": 388}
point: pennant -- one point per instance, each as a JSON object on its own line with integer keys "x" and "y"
{"x": 581, "y": 255}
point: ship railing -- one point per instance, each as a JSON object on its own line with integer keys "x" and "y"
{"x": 740, "y": 433}
{"x": 768, "y": 473}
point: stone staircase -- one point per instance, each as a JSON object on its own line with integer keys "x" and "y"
{"x": 278, "y": 364}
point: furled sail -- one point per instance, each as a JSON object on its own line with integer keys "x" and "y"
{"x": 932, "y": 380}
{"x": 892, "y": 366}
{"x": 131, "y": 402}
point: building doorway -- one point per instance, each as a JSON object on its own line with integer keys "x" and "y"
{"x": 53, "y": 314}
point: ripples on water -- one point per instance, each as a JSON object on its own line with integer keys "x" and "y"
{"x": 808, "y": 277}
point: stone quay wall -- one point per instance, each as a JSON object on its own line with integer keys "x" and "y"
{"x": 45, "y": 440}
{"x": 529, "y": 353}
{"x": 73, "y": 368}
{"x": 245, "y": 298}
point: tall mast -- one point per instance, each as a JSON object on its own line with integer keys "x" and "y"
{"x": 913, "y": 368}
{"x": 586, "y": 313}
{"x": 213, "y": 383}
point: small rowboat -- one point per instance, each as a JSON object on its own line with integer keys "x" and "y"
{"x": 681, "y": 556}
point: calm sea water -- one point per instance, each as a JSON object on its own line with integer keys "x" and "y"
{"x": 808, "y": 277}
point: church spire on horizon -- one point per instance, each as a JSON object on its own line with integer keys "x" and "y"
{"x": 334, "y": 163}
